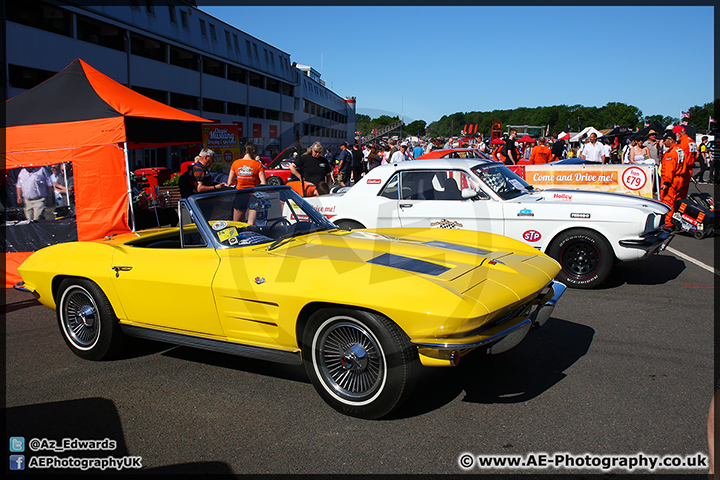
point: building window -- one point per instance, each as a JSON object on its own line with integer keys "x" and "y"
{"x": 215, "y": 106}
{"x": 249, "y": 52}
{"x": 157, "y": 95}
{"x": 213, "y": 67}
{"x": 147, "y": 47}
{"x": 135, "y": 4}
{"x": 287, "y": 117}
{"x": 272, "y": 85}
{"x": 237, "y": 45}
{"x": 100, "y": 33}
{"x": 149, "y": 7}
{"x": 272, "y": 59}
{"x": 184, "y": 19}
{"x": 183, "y": 58}
{"x": 227, "y": 40}
{"x": 26, "y": 77}
{"x": 272, "y": 114}
{"x": 256, "y": 80}
{"x": 257, "y": 57}
{"x": 180, "y": 100}
{"x": 213, "y": 34}
{"x": 256, "y": 112}
{"x": 267, "y": 61}
{"x": 203, "y": 28}
{"x": 173, "y": 14}
{"x": 235, "y": 109}
{"x": 39, "y": 15}
{"x": 287, "y": 89}
{"x": 236, "y": 74}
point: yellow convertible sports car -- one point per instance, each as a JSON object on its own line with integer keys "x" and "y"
{"x": 260, "y": 273}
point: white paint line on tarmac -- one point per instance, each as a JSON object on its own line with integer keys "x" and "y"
{"x": 693, "y": 260}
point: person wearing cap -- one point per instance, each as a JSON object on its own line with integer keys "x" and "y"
{"x": 345, "y": 167}
{"x": 401, "y": 155}
{"x": 652, "y": 145}
{"x": 688, "y": 146}
{"x": 672, "y": 170}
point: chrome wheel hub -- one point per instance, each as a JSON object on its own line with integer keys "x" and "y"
{"x": 349, "y": 360}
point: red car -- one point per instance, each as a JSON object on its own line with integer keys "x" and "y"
{"x": 455, "y": 153}
{"x": 277, "y": 172}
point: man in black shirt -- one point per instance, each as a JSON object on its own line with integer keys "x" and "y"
{"x": 312, "y": 167}
{"x": 509, "y": 150}
{"x": 358, "y": 167}
{"x": 557, "y": 149}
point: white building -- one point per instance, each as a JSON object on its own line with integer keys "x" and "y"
{"x": 179, "y": 55}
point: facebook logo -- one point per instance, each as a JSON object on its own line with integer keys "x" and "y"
{"x": 17, "y": 462}
{"x": 17, "y": 444}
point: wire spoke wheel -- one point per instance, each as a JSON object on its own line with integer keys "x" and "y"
{"x": 361, "y": 363}
{"x": 350, "y": 361}
{"x": 86, "y": 319}
{"x": 80, "y": 317}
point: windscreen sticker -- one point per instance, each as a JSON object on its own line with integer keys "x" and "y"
{"x": 252, "y": 238}
{"x": 227, "y": 233}
{"x": 515, "y": 183}
{"x": 219, "y": 225}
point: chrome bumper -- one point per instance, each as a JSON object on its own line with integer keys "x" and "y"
{"x": 655, "y": 242}
{"x": 21, "y": 286}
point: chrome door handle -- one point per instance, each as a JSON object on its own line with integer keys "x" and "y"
{"x": 121, "y": 269}
{"x": 406, "y": 205}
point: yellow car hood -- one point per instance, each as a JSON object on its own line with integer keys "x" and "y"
{"x": 509, "y": 269}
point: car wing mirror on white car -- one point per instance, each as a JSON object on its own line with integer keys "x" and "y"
{"x": 470, "y": 193}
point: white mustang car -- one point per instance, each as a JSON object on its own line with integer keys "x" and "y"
{"x": 586, "y": 232}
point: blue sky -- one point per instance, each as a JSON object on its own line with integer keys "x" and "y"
{"x": 426, "y": 62}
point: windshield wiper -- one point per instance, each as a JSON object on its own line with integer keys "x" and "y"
{"x": 292, "y": 234}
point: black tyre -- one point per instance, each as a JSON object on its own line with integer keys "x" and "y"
{"x": 274, "y": 181}
{"x": 349, "y": 224}
{"x": 87, "y": 321}
{"x": 585, "y": 256}
{"x": 361, "y": 363}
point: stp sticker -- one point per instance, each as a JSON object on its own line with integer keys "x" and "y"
{"x": 634, "y": 178}
{"x": 373, "y": 181}
{"x": 532, "y": 236}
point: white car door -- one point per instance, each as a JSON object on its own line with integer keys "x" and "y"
{"x": 433, "y": 199}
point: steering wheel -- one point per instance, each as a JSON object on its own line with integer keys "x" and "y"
{"x": 274, "y": 230}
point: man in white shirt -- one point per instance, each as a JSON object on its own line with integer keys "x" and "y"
{"x": 401, "y": 155}
{"x": 593, "y": 150}
{"x": 607, "y": 149}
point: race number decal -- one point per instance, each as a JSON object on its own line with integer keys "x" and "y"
{"x": 532, "y": 236}
{"x": 634, "y": 178}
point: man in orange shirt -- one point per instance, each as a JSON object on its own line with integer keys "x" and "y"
{"x": 540, "y": 153}
{"x": 672, "y": 172}
{"x": 246, "y": 172}
{"x": 690, "y": 149}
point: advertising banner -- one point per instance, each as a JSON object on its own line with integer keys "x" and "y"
{"x": 224, "y": 140}
{"x": 631, "y": 179}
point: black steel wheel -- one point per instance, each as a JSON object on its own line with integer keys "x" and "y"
{"x": 349, "y": 224}
{"x": 585, "y": 256}
{"x": 274, "y": 180}
{"x": 86, "y": 319}
{"x": 361, "y": 363}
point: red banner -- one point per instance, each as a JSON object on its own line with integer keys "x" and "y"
{"x": 273, "y": 131}
{"x": 241, "y": 131}
{"x": 257, "y": 130}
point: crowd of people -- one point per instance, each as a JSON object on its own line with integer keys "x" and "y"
{"x": 675, "y": 154}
